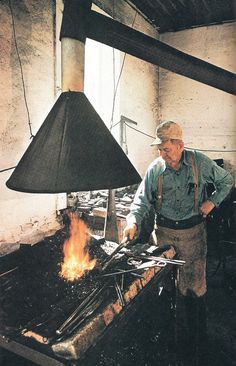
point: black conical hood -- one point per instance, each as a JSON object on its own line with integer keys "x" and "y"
{"x": 72, "y": 151}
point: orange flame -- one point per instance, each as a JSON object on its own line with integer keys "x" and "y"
{"x": 76, "y": 257}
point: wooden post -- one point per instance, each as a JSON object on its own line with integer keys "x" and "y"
{"x": 111, "y": 230}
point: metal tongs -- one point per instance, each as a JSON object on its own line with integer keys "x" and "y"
{"x": 123, "y": 244}
{"x": 156, "y": 259}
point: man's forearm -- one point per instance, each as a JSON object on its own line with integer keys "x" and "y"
{"x": 223, "y": 188}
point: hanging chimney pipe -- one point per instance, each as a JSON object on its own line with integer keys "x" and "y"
{"x": 73, "y": 150}
{"x": 73, "y": 38}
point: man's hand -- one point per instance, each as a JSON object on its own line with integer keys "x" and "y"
{"x": 130, "y": 231}
{"x": 206, "y": 208}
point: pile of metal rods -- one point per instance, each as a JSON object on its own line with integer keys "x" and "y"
{"x": 152, "y": 261}
{"x": 179, "y": 262}
{"x": 115, "y": 281}
{"x": 82, "y": 312}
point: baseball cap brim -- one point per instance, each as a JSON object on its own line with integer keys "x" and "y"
{"x": 157, "y": 141}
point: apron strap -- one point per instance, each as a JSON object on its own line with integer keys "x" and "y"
{"x": 159, "y": 192}
{"x": 196, "y": 178}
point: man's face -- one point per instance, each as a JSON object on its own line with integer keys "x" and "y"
{"x": 171, "y": 152}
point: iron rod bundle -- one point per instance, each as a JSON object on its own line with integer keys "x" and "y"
{"x": 82, "y": 310}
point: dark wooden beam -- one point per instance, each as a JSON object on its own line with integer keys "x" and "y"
{"x": 112, "y": 33}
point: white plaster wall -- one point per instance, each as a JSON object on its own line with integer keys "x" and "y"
{"x": 139, "y": 102}
{"x": 137, "y": 91}
{"x": 102, "y": 64}
{"x": 208, "y": 115}
{"x": 25, "y": 217}
{"x": 139, "y": 98}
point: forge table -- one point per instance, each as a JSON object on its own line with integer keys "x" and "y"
{"x": 32, "y": 344}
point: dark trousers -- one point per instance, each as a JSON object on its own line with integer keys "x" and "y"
{"x": 191, "y": 330}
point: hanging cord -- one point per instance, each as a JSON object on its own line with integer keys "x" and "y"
{"x": 193, "y": 148}
{"x": 152, "y": 137}
{"x": 135, "y": 129}
{"x": 22, "y": 79}
{"x": 21, "y": 69}
{"x": 5, "y": 170}
{"x": 114, "y": 96}
{"x": 190, "y": 148}
{"x": 118, "y": 80}
{"x": 114, "y": 73}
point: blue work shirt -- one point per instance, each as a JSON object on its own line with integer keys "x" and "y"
{"x": 178, "y": 188}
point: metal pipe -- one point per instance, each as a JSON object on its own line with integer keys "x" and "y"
{"x": 73, "y": 48}
{"x": 114, "y": 34}
{"x": 72, "y": 65}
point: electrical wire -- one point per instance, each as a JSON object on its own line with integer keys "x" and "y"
{"x": 21, "y": 69}
{"x": 114, "y": 96}
{"x": 118, "y": 81}
{"x": 190, "y": 148}
{"x": 4, "y": 170}
{"x": 22, "y": 78}
{"x": 143, "y": 133}
{"x": 117, "y": 123}
{"x": 115, "y": 92}
{"x": 114, "y": 72}
{"x": 114, "y": 99}
{"x": 211, "y": 150}
{"x": 152, "y": 137}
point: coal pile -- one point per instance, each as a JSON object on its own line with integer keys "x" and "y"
{"x": 33, "y": 295}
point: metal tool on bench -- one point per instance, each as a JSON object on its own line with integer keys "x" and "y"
{"x": 139, "y": 264}
{"x": 154, "y": 258}
{"x": 122, "y": 245}
{"x": 143, "y": 266}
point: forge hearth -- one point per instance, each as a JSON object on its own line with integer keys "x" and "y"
{"x": 36, "y": 303}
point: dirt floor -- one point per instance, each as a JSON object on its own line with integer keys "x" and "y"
{"x": 148, "y": 338}
{"x": 149, "y": 341}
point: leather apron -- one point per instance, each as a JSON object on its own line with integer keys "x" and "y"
{"x": 191, "y": 246}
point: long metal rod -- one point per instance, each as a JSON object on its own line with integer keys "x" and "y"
{"x": 119, "y": 293}
{"x": 154, "y": 258}
{"x": 130, "y": 270}
{"x": 112, "y": 33}
{"x": 83, "y": 305}
{"x": 82, "y": 316}
{"x": 75, "y": 312}
{"x": 7, "y": 272}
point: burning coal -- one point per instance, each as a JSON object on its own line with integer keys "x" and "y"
{"x": 76, "y": 256}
